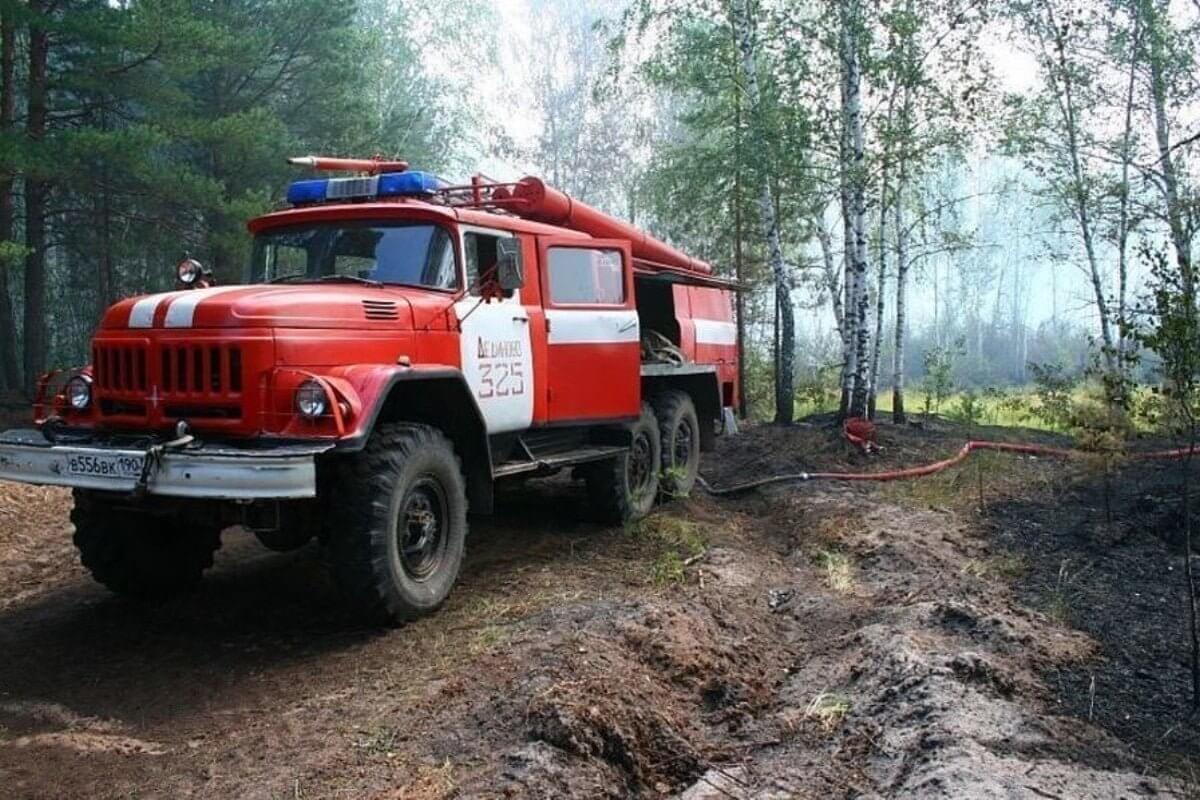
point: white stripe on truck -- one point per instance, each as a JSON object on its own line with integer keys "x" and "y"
{"x": 182, "y": 310}
{"x": 142, "y": 313}
{"x": 712, "y": 331}
{"x": 602, "y": 326}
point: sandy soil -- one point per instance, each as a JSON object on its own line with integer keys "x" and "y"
{"x": 808, "y": 641}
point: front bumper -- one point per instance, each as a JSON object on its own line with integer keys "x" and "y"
{"x": 217, "y": 472}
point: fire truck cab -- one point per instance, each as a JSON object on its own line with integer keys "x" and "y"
{"x": 399, "y": 347}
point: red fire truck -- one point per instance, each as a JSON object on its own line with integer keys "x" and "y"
{"x": 399, "y": 347}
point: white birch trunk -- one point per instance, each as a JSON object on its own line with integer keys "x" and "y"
{"x": 880, "y": 296}
{"x": 743, "y": 31}
{"x": 1123, "y": 218}
{"x": 857, "y": 211}
{"x": 1063, "y": 86}
{"x": 1166, "y": 161}
{"x": 849, "y": 319}
{"x": 898, "y": 415}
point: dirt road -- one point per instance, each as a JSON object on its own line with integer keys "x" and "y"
{"x": 812, "y": 641}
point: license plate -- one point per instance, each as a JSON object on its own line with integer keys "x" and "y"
{"x": 100, "y": 465}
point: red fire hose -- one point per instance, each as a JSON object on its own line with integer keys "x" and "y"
{"x": 929, "y": 469}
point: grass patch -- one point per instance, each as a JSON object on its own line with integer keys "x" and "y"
{"x": 676, "y": 540}
{"x": 832, "y": 530}
{"x": 828, "y": 709}
{"x": 1007, "y": 408}
{"x": 1005, "y": 566}
{"x": 838, "y": 568}
{"x": 1002, "y": 475}
{"x": 668, "y": 568}
{"x": 495, "y": 608}
{"x": 431, "y": 783}
{"x": 379, "y": 741}
{"x": 1063, "y": 598}
{"x": 486, "y": 638}
{"x": 674, "y": 476}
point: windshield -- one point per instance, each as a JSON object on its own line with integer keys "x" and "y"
{"x": 416, "y": 254}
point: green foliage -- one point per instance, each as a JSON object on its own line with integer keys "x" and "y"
{"x": 1172, "y": 332}
{"x": 818, "y": 389}
{"x": 968, "y": 409}
{"x": 675, "y": 539}
{"x": 939, "y": 369}
{"x": 760, "y": 384}
{"x": 170, "y": 121}
{"x": 1054, "y": 390}
{"x": 838, "y": 568}
{"x": 700, "y": 186}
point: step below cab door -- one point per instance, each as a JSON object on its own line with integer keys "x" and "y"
{"x": 592, "y": 335}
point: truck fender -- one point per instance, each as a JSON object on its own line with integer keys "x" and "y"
{"x": 700, "y": 382}
{"x": 434, "y": 395}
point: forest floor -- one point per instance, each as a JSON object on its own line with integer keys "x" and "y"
{"x": 814, "y": 640}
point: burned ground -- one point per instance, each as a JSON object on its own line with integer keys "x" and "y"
{"x": 893, "y": 640}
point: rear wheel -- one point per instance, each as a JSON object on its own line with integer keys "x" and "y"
{"x": 139, "y": 555}
{"x": 623, "y": 489}
{"x": 398, "y": 523}
{"x": 679, "y": 428}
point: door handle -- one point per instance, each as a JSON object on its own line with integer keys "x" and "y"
{"x": 521, "y": 319}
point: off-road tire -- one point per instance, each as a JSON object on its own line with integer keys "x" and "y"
{"x": 141, "y": 556}
{"x": 403, "y": 468}
{"x": 679, "y": 430}
{"x": 613, "y": 484}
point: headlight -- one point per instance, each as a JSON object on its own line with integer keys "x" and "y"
{"x": 188, "y": 271}
{"x": 310, "y": 399}
{"x": 79, "y": 392}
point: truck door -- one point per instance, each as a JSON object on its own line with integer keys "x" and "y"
{"x": 592, "y": 336}
{"x": 497, "y": 359}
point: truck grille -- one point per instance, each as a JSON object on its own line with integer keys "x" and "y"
{"x": 210, "y": 370}
{"x": 120, "y": 368}
{"x": 193, "y": 381}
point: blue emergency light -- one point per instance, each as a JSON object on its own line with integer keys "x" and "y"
{"x": 412, "y": 183}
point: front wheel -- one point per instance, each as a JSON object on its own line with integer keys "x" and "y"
{"x": 397, "y": 523}
{"x": 138, "y": 555}
{"x": 623, "y": 489}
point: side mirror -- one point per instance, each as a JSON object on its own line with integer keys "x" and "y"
{"x": 510, "y": 271}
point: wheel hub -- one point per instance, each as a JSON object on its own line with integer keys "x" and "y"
{"x": 641, "y": 463}
{"x": 682, "y": 450}
{"x": 421, "y": 528}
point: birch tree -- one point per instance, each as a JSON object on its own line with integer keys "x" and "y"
{"x": 900, "y": 334}
{"x": 1170, "y": 63}
{"x": 1125, "y": 154}
{"x": 1056, "y": 132}
{"x": 743, "y": 31}
{"x": 851, "y": 40}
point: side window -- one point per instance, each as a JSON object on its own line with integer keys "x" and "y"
{"x": 587, "y": 276}
{"x": 440, "y": 269}
{"x": 481, "y": 254}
